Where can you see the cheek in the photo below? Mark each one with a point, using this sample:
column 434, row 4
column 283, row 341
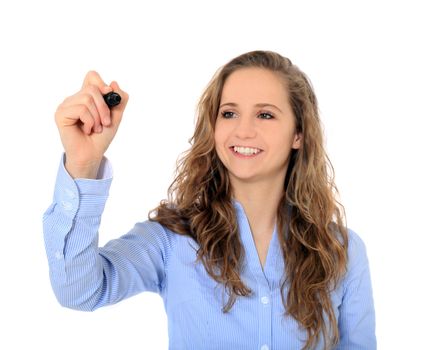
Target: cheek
column 220, row 134
column 284, row 145
column 219, row 147
column 281, row 137
column 217, row 138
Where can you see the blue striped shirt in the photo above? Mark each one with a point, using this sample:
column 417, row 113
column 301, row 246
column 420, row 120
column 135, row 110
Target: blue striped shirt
column 152, row 258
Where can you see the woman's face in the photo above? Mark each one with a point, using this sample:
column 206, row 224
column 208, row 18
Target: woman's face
column 255, row 127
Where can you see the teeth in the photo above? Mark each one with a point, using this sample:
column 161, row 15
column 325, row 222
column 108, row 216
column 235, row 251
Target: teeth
column 247, row 151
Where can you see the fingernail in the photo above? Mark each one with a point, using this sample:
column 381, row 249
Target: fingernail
column 98, row 129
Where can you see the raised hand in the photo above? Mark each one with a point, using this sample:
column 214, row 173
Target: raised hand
column 87, row 125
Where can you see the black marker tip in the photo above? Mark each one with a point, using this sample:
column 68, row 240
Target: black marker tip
column 112, row 99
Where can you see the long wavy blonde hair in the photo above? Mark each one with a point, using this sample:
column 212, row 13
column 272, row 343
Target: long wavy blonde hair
column 310, row 220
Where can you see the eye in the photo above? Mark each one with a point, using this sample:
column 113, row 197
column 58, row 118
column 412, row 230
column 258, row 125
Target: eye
column 227, row 114
column 265, row 115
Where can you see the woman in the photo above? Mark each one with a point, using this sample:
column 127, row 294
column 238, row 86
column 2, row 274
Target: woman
column 250, row 250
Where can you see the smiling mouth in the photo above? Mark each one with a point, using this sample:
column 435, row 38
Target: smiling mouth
column 245, row 151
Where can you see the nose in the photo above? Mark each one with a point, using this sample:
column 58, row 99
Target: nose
column 245, row 128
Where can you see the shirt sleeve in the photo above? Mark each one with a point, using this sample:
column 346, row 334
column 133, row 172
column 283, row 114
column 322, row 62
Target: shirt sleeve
column 356, row 312
column 84, row 276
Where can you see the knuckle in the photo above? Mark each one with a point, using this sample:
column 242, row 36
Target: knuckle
column 83, row 110
column 58, row 112
column 89, row 100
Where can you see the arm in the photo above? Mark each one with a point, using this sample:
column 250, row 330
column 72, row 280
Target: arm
column 84, row 276
column 356, row 313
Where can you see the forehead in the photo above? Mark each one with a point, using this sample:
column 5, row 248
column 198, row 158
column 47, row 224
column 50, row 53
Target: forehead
column 254, row 85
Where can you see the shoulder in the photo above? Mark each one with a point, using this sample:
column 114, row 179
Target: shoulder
column 155, row 234
column 356, row 245
column 357, row 261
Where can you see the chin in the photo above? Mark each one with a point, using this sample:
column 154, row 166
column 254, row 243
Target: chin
column 243, row 176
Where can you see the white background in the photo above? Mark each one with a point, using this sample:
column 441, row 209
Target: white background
column 376, row 68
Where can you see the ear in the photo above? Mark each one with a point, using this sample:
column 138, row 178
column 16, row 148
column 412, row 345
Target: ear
column 297, row 141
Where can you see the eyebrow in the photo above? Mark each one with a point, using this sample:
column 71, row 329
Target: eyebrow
column 261, row 105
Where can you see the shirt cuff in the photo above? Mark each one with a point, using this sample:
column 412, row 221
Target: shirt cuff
column 83, row 197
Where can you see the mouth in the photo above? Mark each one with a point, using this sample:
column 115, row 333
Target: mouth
column 245, row 151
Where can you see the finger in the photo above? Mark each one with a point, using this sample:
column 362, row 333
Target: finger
column 102, row 115
column 75, row 115
column 93, row 78
column 86, row 98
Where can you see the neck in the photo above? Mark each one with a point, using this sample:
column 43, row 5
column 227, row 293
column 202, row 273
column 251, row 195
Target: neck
column 260, row 202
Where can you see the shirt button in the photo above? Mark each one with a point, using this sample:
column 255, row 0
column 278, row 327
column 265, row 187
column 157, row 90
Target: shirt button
column 58, row 255
column 265, row 347
column 265, row 300
column 66, row 205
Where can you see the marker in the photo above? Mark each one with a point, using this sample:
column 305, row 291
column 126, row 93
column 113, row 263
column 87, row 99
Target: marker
column 112, row 99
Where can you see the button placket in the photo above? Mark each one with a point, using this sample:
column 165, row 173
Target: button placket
column 265, row 317
column 263, row 289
